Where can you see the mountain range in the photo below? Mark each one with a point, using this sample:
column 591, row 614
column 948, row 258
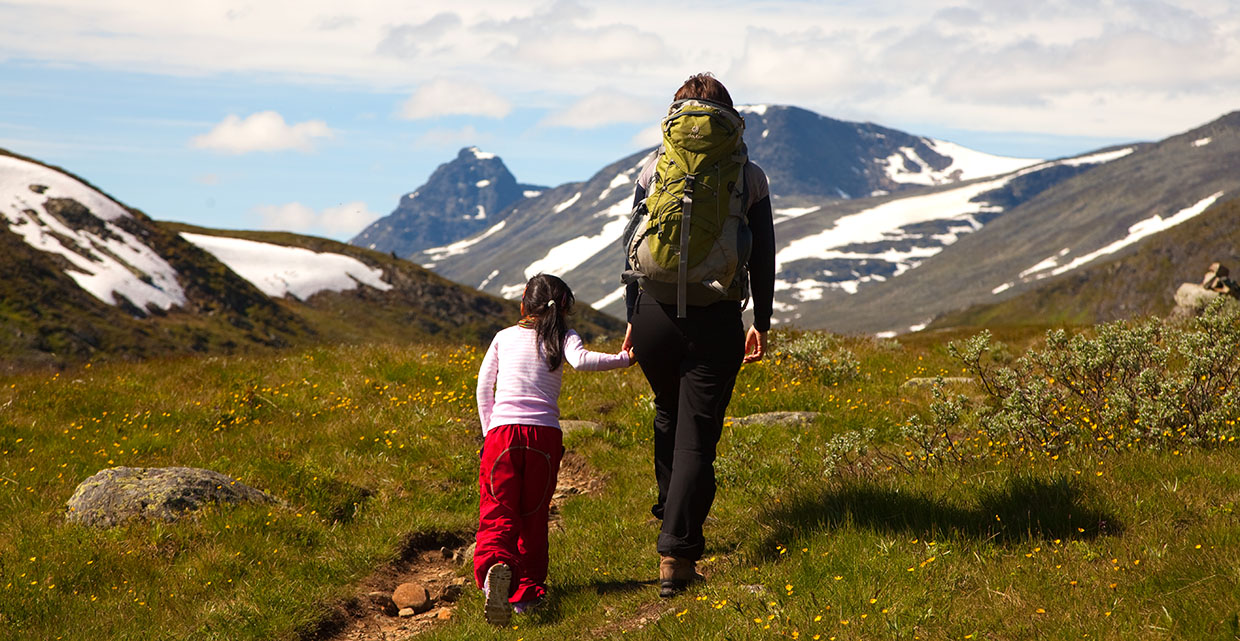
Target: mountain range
column 88, row 278
column 878, row 231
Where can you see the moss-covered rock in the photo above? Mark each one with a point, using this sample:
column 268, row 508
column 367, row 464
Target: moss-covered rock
column 118, row 494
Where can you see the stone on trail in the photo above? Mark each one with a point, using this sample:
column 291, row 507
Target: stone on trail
column 118, row 494
column 412, row 595
column 772, row 418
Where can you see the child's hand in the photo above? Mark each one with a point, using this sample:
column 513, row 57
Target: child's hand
column 628, row 351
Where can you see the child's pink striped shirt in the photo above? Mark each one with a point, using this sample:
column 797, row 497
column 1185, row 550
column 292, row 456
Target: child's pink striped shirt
column 514, row 386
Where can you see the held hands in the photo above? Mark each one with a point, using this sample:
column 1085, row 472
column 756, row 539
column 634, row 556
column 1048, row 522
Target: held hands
column 627, row 346
column 755, row 346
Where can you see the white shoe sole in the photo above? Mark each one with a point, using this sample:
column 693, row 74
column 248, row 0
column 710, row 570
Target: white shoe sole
column 497, row 610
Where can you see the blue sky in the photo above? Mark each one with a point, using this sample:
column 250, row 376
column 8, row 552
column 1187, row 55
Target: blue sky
column 315, row 116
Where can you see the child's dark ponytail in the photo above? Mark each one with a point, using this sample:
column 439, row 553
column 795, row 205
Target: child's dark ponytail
column 546, row 304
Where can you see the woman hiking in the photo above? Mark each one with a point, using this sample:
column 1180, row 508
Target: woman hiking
column 684, row 329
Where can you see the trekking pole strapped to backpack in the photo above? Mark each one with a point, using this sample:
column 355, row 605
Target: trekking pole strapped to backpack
column 688, row 241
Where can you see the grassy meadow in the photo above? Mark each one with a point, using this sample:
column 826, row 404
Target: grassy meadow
column 848, row 527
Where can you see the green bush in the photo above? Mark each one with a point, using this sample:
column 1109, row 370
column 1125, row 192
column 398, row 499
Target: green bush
column 1124, row 386
column 816, row 355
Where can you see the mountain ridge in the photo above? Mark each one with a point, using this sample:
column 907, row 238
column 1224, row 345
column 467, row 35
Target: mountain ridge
column 891, row 261
column 89, row 278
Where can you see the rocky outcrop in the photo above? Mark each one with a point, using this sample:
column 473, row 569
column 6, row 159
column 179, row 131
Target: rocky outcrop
column 1191, row 298
column 116, row 495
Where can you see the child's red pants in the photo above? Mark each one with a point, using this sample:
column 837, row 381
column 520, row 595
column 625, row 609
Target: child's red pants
column 516, row 481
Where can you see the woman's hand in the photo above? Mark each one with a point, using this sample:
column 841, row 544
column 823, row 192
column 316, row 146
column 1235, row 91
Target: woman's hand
column 755, row 346
column 627, row 346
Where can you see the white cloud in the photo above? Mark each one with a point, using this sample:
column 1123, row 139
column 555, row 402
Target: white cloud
column 294, row 217
column 444, row 97
column 262, row 131
column 603, row 108
column 413, row 40
column 1100, row 68
column 340, row 221
column 648, row 137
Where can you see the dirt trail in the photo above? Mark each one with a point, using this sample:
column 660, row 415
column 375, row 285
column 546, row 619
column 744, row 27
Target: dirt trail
column 436, row 561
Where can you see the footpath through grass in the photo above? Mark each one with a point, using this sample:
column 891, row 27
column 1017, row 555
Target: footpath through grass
column 818, row 532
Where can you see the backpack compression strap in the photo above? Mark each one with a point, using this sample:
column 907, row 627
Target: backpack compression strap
column 682, row 275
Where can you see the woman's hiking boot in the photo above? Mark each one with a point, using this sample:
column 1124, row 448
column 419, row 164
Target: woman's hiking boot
column 675, row 574
column 497, row 610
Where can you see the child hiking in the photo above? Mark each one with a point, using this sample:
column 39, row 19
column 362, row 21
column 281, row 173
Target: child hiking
column 518, row 388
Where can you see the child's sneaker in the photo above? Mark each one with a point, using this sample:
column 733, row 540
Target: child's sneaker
column 497, row 610
column 526, row 607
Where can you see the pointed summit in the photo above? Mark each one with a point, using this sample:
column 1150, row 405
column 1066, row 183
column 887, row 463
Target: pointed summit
column 462, row 197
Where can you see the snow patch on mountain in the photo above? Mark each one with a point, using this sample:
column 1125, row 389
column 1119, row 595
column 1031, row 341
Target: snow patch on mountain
column 481, row 155
column 1202, row 142
column 886, row 233
column 788, row 213
column 279, row 270
column 1051, row 266
column 462, row 246
column 614, row 297
column 566, row 204
column 567, row 256
column 1092, row 159
column 966, row 164
column 623, row 180
column 106, row 260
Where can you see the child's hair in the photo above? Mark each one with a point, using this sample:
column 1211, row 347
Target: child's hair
column 546, row 303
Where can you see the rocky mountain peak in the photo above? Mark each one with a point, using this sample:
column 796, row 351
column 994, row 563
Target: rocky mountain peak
column 461, row 197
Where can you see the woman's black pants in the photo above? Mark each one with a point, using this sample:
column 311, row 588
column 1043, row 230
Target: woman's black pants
column 691, row 364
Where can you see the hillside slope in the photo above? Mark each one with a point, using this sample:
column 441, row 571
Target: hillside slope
column 1139, row 284
column 1099, row 214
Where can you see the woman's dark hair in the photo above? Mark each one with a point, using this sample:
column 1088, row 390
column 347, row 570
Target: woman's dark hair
column 704, row 86
column 546, row 303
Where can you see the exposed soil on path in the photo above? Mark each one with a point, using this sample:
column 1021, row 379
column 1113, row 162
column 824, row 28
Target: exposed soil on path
column 645, row 615
column 439, row 562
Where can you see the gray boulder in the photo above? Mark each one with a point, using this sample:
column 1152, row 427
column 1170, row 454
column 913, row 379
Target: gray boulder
column 931, row 381
column 773, row 418
column 117, row 494
column 1193, row 298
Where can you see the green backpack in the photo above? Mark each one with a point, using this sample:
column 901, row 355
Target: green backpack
column 698, row 187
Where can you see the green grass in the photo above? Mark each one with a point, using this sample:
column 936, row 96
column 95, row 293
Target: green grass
column 374, row 446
